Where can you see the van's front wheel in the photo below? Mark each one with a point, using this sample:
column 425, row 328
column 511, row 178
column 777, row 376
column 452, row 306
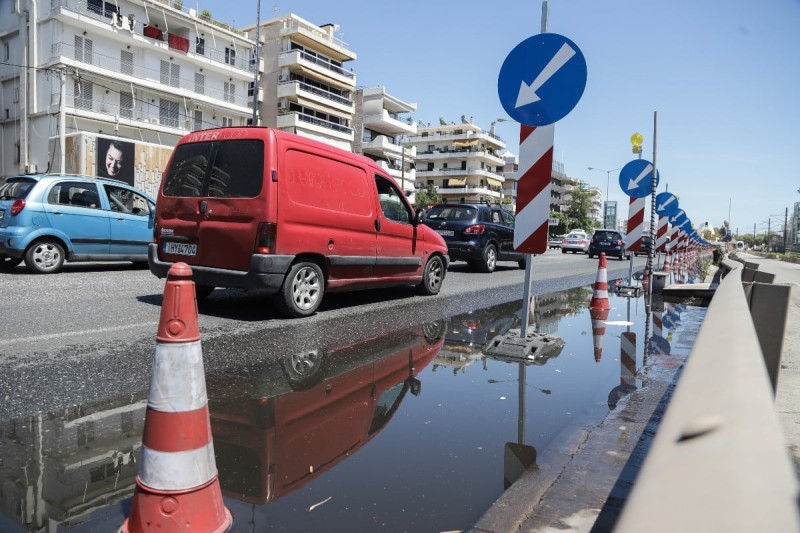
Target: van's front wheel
column 432, row 276
column 302, row 290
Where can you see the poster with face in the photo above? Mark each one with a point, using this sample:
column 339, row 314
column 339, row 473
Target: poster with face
column 115, row 159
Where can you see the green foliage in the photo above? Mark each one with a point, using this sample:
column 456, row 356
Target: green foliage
column 563, row 221
column 426, row 197
column 578, row 209
column 205, row 14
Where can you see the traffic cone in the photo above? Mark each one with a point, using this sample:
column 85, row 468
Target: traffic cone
column 600, row 294
column 598, row 331
column 177, row 488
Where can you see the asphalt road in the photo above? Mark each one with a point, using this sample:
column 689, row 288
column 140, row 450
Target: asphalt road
column 88, row 332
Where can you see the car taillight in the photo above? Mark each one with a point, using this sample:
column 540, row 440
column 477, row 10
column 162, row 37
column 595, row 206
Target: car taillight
column 475, row 229
column 265, row 238
column 17, row 207
column 619, row 242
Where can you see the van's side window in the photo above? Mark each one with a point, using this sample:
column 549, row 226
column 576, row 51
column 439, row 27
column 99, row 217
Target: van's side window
column 392, row 205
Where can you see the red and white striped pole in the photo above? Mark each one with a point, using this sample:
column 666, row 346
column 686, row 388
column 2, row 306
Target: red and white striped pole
column 661, row 235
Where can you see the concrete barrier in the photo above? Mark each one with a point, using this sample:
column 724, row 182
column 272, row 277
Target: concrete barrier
column 718, row 461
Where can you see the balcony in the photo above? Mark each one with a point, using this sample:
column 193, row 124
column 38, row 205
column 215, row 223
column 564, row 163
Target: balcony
column 78, row 9
column 112, row 68
column 298, row 90
column 466, row 135
column 389, row 123
column 314, row 37
column 317, row 67
column 302, row 121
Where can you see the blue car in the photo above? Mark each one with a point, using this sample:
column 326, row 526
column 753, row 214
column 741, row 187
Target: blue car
column 48, row 219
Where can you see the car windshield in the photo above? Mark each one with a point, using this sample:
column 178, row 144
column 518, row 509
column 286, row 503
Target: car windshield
column 606, row 235
column 451, row 213
column 16, row 188
column 576, row 236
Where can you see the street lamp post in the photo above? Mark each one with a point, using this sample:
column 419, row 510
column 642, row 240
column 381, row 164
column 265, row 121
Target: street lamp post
column 608, row 181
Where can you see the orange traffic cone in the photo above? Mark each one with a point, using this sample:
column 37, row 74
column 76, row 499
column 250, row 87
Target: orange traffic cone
column 600, row 294
column 598, row 331
column 177, row 487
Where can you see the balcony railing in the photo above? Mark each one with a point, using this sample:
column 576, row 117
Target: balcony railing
column 218, row 56
column 321, row 62
column 137, row 73
column 319, row 92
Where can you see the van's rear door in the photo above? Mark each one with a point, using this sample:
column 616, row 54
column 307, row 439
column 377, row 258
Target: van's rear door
column 213, row 200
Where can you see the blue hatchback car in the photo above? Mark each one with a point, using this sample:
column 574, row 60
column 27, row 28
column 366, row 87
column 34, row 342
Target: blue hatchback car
column 48, row 219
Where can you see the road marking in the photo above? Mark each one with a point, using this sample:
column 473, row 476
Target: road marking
column 37, row 338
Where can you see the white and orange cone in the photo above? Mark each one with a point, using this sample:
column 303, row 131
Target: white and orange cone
column 599, row 316
column 177, row 488
column 600, row 294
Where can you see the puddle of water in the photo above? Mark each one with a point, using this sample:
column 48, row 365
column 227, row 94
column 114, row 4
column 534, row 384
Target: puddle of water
column 414, row 430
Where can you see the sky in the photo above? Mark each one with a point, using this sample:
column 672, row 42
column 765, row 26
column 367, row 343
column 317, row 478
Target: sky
column 715, row 83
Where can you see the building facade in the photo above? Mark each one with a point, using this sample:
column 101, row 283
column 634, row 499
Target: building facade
column 462, row 160
column 143, row 72
column 380, row 131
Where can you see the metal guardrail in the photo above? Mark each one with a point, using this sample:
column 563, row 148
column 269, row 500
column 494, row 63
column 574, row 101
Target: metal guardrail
column 718, row 461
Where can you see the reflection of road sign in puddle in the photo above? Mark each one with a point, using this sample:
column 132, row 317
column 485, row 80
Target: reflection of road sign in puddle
column 619, row 323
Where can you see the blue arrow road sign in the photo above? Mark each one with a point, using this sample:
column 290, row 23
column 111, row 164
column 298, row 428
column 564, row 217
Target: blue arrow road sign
column 636, row 178
column 542, row 79
column 666, row 204
column 679, row 218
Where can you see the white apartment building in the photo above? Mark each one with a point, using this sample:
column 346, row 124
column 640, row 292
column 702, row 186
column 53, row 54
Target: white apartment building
column 144, row 71
column 380, row 133
column 308, row 90
column 461, row 160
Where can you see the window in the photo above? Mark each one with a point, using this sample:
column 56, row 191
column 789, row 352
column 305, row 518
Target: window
column 168, row 113
column 227, row 122
column 83, row 94
column 123, row 200
column 125, row 104
column 236, row 171
column 200, row 46
column 83, row 49
column 6, row 51
column 170, row 74
column 106, row 9
column 126, row 62
column 198, row 120
column 251, row 89
column 392, row 205
column 230, row 56
column 75, row 194
column 199, row 83
column 229, row 92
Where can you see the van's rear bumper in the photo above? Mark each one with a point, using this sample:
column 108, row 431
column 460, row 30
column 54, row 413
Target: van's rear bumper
column 266, row 271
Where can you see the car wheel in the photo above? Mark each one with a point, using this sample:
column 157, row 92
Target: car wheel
column 433, row 331
column 202, row 292
column 621, row 256
column 7, row 263
column 303, row 369
column 521, row 264
column 591, row 255
column 489, row 259
column 302, row 290
column 432, row 276
column 45, row 257
column 563, row 251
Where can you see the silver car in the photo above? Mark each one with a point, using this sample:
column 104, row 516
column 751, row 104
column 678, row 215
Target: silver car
column 575, row 241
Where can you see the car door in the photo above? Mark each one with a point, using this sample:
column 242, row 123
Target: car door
column 74, row 211
column 398, row 253
column 130, row 220
column 506, row 236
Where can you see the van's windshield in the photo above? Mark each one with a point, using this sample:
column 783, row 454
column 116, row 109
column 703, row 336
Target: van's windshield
column 233, row 170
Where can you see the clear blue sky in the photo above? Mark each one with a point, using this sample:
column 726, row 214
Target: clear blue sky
column 723, row 75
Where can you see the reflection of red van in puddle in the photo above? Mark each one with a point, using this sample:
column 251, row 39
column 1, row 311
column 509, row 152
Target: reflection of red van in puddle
column 301, row 420
column 257, row 208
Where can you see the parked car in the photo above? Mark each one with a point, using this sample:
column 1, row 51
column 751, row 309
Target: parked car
column 48, row 219
column 608, row 241
column 480, row 234
column 259, row 208
column 554, row 241
column 575, row 241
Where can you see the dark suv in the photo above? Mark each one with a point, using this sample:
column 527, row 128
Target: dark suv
column 610, row 241
column 480, row 234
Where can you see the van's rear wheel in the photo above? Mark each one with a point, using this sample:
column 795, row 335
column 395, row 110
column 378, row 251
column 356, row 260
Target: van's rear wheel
column 302, row 290
column 432, row 276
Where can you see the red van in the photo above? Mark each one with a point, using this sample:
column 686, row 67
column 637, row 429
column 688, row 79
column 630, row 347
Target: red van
column 257, row 208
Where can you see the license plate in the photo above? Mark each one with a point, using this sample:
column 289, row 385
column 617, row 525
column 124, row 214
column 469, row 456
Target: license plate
column 445, row 232
column 179, row 248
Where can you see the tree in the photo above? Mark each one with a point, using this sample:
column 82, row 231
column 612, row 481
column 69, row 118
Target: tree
column 580, row 203
column 427, row 196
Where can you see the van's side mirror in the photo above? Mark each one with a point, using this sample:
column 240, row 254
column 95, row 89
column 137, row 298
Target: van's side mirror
column 418, row 217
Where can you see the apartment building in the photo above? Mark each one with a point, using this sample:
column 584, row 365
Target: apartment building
column 308, row 89
column 78, row 73
column 380, row 132
column 461, row 160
